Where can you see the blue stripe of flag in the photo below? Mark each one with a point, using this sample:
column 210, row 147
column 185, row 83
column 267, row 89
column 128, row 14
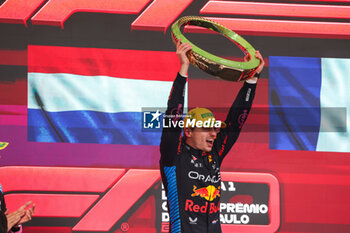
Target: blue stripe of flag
column 90, row 127
column 294, row 102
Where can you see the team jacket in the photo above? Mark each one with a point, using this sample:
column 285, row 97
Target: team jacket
column 191, row 177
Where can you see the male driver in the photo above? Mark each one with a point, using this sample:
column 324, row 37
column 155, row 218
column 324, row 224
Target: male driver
column 190, row 166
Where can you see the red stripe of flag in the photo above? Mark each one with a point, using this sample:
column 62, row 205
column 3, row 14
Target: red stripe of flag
column 133, row 64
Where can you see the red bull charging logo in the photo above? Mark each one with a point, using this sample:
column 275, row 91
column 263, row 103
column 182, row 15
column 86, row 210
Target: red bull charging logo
column 209, row 192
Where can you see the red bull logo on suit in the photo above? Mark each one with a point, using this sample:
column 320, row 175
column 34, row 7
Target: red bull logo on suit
column 209, row 192
column 190, row 206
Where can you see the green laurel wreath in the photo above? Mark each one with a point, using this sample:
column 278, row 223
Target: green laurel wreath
column 3, row 145
column 214, row 65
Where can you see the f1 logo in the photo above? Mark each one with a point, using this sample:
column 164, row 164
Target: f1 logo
column 90, row 193
column 56, row 12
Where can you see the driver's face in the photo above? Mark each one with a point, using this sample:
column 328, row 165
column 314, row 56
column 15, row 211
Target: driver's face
column 202, row 138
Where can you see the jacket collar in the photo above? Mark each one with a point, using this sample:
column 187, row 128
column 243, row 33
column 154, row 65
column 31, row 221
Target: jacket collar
column 195, row 152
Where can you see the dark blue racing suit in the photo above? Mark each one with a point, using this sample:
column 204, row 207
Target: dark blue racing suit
column 192, row 177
